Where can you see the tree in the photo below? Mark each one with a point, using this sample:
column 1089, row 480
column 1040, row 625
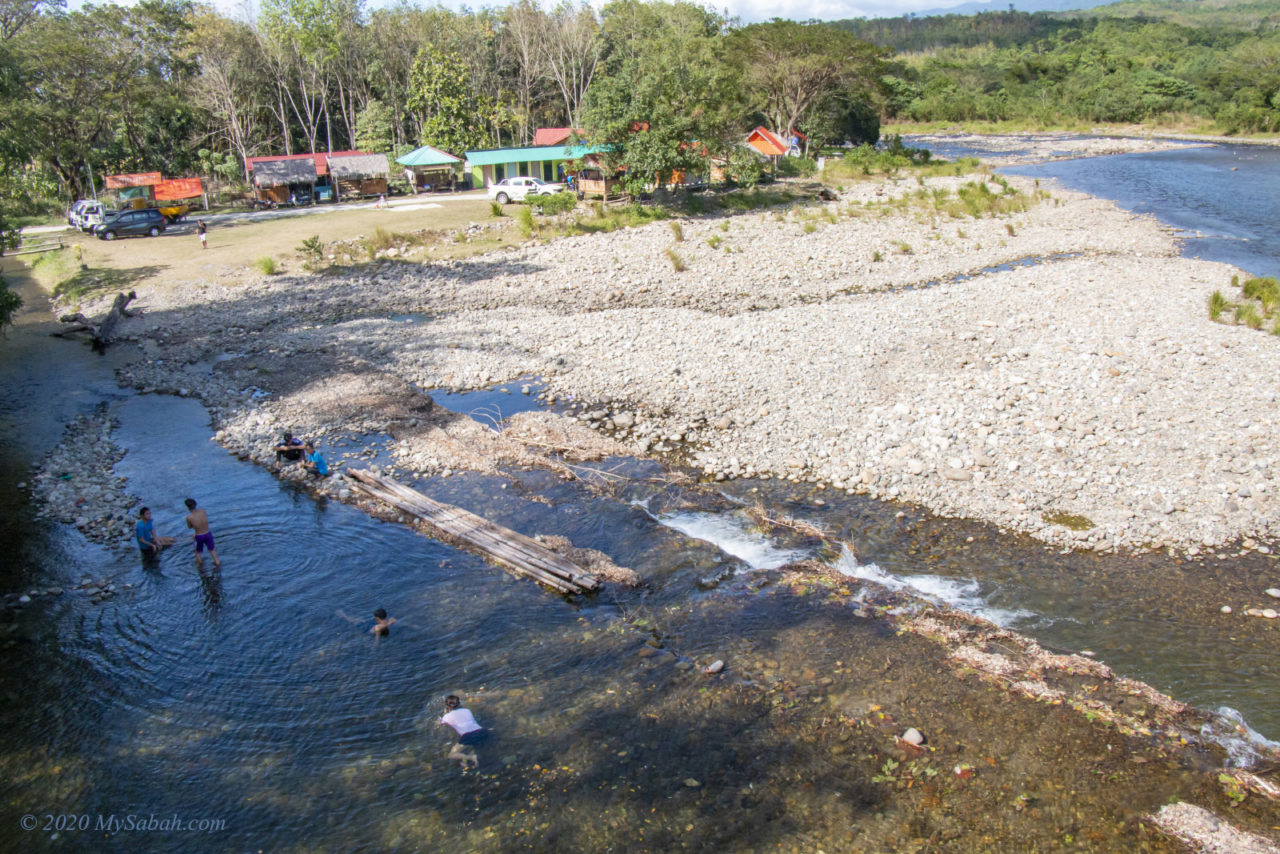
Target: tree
column 375, row 128
column 524, row 27
column 664, row 101
column 790, row 69
column 571, row 50
column 103, row 89
column 231, row 86
column 453, row 116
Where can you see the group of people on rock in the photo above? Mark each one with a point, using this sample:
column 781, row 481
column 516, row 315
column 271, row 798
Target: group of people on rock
column 292, row 449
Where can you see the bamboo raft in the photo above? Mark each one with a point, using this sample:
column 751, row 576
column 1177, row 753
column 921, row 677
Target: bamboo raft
column 509, row 548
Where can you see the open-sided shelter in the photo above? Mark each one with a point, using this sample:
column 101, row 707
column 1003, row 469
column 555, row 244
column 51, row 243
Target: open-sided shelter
column 430, row 168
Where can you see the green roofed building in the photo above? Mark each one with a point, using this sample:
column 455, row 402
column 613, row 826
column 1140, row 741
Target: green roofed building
column 542, row 161
column 430, row 168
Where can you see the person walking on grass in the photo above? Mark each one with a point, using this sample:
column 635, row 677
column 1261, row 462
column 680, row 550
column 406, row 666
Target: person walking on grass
column 198, row 522
column 203, row 231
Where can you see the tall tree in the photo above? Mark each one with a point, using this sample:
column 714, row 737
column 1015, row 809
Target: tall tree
column 571, row 50
column 788, row 69
column 665, row 99
column 231, row 85
column 524, row 27
column 453, row 115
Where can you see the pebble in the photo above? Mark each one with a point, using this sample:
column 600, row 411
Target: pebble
column 1273, row 592
column 1270, row 613
column 715, row 667
column 1097, row 407
column 913, row 736
column 1226, row 609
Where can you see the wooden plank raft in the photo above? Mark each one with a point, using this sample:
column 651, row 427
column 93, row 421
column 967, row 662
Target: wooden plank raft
column 510, row 548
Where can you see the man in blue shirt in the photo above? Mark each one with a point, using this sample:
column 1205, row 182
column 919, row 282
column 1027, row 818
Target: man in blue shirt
column 313, row 462
column 145, row 532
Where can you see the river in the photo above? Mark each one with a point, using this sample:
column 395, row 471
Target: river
column 256, row 697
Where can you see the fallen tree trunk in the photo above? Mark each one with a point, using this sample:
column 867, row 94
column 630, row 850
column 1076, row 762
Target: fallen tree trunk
column 503, row 545
column 103, row 332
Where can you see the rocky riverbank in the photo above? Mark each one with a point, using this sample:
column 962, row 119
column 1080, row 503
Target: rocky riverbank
column 1051, row 370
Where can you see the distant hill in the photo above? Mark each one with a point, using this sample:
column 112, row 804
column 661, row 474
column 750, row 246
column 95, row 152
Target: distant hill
column 974, row 7
column 998, row 26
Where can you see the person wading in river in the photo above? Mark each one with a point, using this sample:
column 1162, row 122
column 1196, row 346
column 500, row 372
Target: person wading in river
column 198, row 522
column 469, row 732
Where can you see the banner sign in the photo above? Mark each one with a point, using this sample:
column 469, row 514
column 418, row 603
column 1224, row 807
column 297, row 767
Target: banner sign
column 140, row 179
column 178, row 188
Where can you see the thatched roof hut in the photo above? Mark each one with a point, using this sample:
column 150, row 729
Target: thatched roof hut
column 291, row 170
column 356, row 166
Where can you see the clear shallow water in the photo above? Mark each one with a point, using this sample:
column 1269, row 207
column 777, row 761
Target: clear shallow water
column 244, row 695
column 1224, row 198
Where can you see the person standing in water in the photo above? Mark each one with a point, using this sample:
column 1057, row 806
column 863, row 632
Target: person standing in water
column 198, row 522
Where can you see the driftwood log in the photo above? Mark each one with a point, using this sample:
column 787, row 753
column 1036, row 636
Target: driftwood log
column 104, row 331
column 509, row 548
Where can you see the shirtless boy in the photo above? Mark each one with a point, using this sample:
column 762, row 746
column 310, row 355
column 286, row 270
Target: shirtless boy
column 198, row 522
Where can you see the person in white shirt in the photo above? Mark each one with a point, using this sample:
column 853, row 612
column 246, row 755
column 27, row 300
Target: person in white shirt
column 469, row 732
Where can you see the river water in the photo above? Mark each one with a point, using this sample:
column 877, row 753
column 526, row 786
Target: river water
column 255, row 695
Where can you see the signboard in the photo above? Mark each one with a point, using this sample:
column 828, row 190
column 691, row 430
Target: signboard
column 176, row 189
column 140, row 179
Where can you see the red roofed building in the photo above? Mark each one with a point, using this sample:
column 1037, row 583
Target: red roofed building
column 554, row 136
column 320, row 157
column 767, row 142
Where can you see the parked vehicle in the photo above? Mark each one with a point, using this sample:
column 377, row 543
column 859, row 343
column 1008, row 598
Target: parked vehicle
column 148, row 221
column 86, row 213
column 174, row 213
column 517, row 189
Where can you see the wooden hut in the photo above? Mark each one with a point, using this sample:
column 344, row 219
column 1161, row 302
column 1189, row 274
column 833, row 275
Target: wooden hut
column 277, row 178
column 359, row 174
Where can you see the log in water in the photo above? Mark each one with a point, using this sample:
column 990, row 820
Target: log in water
column 505, row 546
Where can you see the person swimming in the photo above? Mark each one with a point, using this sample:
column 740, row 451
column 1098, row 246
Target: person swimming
column 469, row 731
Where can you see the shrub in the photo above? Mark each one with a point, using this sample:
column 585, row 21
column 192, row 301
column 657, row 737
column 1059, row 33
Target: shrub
column 714, row 241
column 312, row 247
column 800, row 167
column 677, row 231
column 1217, row 302
column 876, row 256
column 810, row 227
column 495, row 210
column 524, row 221
column 562, row 202
column 267, row 265
column 677, row 263
column 1013, row 232
column 1266, row 291
column 1248, row 315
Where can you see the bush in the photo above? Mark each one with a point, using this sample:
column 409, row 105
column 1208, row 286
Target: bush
column 267, row 265
column 1266, row 291
column 677, row 231
column 495, row 209
column 561, row 202
column 677, row 263
column 524, row 221
column 798, row 167
column 1217, row 302
column 744, row 168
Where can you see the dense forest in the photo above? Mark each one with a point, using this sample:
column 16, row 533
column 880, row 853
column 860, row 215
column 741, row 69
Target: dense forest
column 1136, row 61
column 177, row 87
